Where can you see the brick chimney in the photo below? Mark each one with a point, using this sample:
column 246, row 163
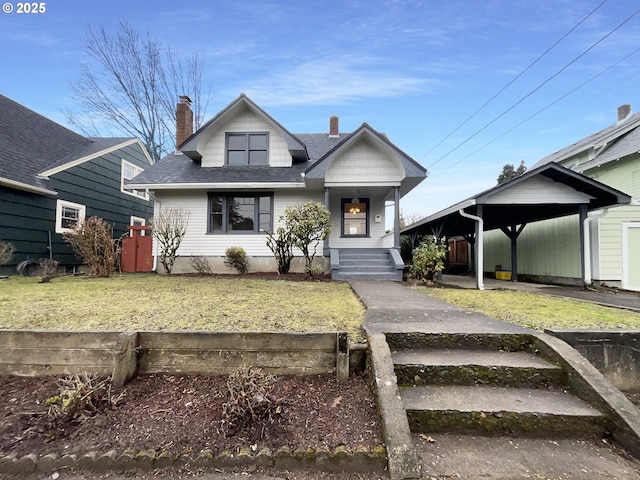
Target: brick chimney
column 624, row 112
column 184, row 120
column 334, row 129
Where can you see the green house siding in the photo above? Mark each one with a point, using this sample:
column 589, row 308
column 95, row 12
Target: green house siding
column 610, row 241
column 550, row 248
column 28, row 220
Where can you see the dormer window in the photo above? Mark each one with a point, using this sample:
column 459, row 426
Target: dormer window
column 247, row 149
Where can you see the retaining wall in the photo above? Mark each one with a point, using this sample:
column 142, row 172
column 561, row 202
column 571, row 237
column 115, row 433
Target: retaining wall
column 123, row 354
column 615, row 353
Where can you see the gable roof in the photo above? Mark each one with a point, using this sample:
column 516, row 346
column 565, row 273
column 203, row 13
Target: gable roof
column 33, row 147
column 609, row 144
column 190, row 146
column 497, row 213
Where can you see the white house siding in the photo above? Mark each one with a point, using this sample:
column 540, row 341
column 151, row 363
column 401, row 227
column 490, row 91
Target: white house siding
column 550, row 248
column 364, row 164
column 213, row 147
column 376, row 229
column 197, row 242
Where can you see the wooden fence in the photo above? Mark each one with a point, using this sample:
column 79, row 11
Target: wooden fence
column 122, row 354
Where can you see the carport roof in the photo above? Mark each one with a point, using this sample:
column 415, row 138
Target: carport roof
column 542, row 193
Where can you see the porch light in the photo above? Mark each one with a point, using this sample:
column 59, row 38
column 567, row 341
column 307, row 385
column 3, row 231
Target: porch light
column 354, row 210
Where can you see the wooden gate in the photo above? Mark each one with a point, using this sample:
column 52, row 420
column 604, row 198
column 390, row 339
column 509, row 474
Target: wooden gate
column 136, row 251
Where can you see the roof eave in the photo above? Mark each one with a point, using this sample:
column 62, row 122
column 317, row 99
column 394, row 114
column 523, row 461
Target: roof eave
column 26, row 187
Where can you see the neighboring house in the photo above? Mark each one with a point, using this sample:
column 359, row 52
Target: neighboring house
column 51, row 178
column 239, row 172
column 612, row 157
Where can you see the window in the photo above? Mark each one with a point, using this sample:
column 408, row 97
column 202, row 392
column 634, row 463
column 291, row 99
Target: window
column 128, row 171
column 240, row 213
column 247, row 149
column 355, row 214
column 137, row 222
column 68, row 215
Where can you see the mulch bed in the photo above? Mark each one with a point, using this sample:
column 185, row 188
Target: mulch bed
column 184, row 414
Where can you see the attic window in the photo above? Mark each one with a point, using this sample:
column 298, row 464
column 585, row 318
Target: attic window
column 247, row 149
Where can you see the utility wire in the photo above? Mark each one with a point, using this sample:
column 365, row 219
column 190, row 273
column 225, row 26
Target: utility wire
column 464, row 122
column 495, row 119
column 562, row 97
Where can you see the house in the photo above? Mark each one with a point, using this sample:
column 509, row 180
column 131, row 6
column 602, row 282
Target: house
column 51, row 178
column 238, row 173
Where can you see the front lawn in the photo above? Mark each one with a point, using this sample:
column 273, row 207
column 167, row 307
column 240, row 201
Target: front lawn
column 156, row 302
column 535, row 310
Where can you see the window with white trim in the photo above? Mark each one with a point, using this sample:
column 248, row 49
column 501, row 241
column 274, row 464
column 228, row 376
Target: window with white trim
column 137, row 222
column 127, row 172
column 68, row 215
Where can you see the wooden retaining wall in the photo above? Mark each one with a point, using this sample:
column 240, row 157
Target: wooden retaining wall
column 122, row 354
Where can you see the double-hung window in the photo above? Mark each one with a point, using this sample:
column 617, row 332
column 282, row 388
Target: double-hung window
column 68, row 215
column 247, row 149
column 128, row 171
column 240, row 213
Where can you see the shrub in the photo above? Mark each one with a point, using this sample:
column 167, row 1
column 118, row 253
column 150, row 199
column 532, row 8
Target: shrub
column 6, row 252
column 169, row 228
column 428, row 259
column 308, row 224
column 250, row 401
column 47, row 269
column 93, row 241
column 236, row 258
column 200, row 264
column 81, row 396
column 281, row 244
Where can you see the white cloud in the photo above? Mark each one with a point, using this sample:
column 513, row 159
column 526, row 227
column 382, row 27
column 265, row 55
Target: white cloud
column 333, row 80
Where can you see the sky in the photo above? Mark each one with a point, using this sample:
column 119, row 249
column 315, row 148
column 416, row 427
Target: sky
column 462, row 86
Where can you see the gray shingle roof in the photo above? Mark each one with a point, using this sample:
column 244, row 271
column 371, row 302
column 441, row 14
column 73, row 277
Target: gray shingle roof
column 31, row 143
column 611, row 143
column 180, row 169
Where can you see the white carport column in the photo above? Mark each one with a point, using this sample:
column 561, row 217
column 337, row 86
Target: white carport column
column 586, row 241
column 479, row 244
column 396, row 218
column 327, row 203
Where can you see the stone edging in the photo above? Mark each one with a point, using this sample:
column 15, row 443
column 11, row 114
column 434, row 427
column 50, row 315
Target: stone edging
column 361, row 460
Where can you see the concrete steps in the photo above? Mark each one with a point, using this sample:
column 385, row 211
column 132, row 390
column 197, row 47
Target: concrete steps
column 365, row 264
column 486, row 384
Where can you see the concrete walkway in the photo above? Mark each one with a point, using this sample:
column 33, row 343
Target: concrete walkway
column 608, row 297
column 394, row 307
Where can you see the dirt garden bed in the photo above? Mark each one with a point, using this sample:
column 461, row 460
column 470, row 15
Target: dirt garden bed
column 183, row 415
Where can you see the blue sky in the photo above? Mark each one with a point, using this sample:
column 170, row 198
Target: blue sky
column 415, row 70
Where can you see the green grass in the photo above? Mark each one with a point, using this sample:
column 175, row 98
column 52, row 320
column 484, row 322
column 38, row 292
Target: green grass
column 155, row 302
column 537, row 311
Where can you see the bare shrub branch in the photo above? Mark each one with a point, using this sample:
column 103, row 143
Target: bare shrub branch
column 93, row 241
column 6, row 252
column 169, row 228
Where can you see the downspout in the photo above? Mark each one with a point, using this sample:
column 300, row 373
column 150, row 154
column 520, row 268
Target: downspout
column 479, row 246
column 587, row 243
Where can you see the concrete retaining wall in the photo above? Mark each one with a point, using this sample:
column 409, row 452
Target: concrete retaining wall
column 33, row 353
column 615, row 353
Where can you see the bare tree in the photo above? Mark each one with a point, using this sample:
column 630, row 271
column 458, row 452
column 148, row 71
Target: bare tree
column 133, row 81
column 169, row 228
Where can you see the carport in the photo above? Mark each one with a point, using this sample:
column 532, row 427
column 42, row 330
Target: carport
column 550, row 191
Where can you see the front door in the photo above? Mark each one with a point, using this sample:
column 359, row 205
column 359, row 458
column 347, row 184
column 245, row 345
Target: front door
column 355, row 217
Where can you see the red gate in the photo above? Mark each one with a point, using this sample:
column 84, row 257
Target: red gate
column 136, row 251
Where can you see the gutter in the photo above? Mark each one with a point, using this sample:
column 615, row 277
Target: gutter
column 479, row 247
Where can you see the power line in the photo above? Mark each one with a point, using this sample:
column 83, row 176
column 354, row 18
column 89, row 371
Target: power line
column 562, row 97
column 495, row 119
column 513, row 80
